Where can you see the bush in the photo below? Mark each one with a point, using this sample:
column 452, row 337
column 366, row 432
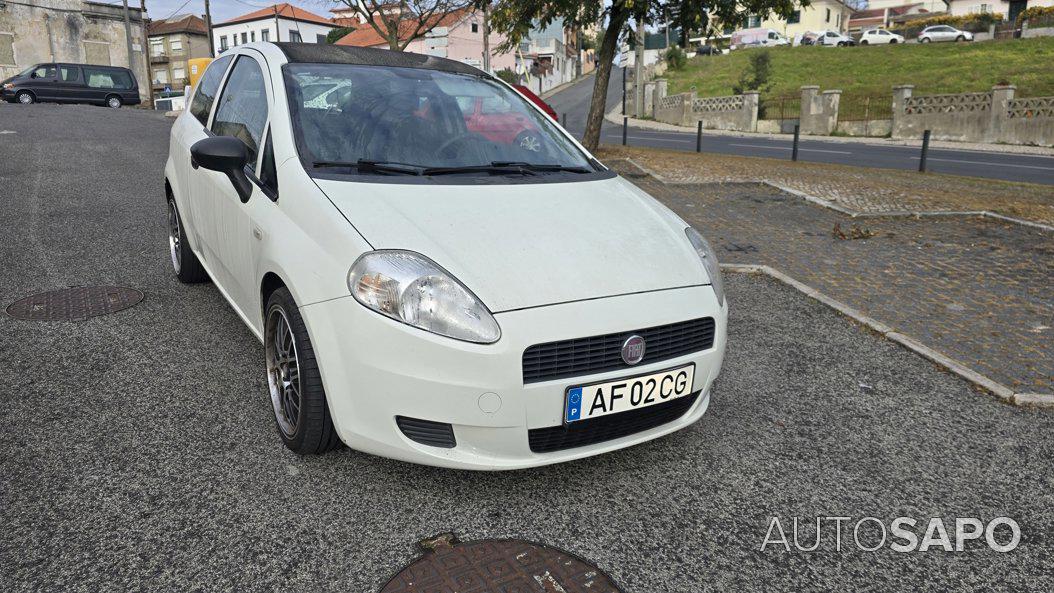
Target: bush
column 1037, row 16
column 755, row 77
column 507, row 75
column 675, row 58
column 335, row 35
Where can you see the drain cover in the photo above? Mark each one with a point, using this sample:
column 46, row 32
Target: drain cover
column 493, row 566
column 75, row 304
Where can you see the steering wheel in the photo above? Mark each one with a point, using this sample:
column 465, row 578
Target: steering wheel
column 452, row 141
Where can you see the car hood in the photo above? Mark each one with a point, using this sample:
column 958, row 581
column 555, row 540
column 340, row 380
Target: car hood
column 531, row 244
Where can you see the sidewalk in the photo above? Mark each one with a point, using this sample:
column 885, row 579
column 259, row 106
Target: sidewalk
column 856, row 191
column 615, row 116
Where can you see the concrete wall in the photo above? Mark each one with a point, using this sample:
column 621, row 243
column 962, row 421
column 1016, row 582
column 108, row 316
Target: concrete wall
column 870, row 128
column 735, row 112
column 993, row 116
column 819, row 111
column 71, row 31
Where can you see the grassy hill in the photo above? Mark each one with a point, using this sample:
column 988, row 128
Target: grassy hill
column 874, row 70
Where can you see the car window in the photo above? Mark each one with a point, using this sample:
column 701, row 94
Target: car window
column 268, row 174
column 69, row 73
column 883, row 32
column 208, row 86
column 98, row 78
column 418, row 117
column 47, row 71
column 242, row 108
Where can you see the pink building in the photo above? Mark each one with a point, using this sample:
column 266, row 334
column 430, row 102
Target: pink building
column 457, row 36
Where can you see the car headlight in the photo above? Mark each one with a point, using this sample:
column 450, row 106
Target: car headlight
column 9, row 85
column 709, row 259
column 414, row 290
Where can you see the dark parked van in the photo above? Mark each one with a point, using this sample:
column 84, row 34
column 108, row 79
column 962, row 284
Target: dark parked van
column 72, row 83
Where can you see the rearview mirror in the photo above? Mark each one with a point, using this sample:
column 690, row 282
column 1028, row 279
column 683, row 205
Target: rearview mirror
column 226, row 155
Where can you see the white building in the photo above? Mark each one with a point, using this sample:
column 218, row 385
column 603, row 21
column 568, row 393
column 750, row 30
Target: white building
column 1009, row 9
column 281, row 22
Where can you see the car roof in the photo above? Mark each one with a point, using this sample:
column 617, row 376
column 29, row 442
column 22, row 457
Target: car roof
column 325, row 53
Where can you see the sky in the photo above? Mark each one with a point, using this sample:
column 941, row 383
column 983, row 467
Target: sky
column 226, row 9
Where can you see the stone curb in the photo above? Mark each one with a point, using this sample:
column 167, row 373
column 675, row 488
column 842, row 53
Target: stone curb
column 856, row 213
column 1004, row 393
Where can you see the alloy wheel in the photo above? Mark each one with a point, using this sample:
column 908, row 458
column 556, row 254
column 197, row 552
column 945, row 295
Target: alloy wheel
column 175, row 236
column 283, row 371
column 25, row 98
column 113, row 102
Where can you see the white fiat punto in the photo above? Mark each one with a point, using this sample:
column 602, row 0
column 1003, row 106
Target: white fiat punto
column 437, row 271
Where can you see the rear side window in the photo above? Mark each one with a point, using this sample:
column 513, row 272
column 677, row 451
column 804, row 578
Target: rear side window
column 69, row 73
column 242, row 110
column 208, row 86
column 98, row 78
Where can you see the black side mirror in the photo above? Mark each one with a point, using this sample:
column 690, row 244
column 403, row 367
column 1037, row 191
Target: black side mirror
column 226, row 155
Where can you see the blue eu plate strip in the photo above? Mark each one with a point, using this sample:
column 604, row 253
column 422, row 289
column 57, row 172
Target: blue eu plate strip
column 574, row 404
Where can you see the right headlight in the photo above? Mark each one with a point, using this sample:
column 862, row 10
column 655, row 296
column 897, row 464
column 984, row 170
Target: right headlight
column 411, row 288
column 709, row 259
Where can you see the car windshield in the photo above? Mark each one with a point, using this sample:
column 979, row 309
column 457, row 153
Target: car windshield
column 387, row 120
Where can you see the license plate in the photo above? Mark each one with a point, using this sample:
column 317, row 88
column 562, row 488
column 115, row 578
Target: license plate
column 622, row 395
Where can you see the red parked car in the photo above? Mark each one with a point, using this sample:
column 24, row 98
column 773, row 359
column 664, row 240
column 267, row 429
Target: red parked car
column 526, row 92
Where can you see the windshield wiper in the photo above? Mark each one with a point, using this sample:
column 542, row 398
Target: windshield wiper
column 541, row 167
column 500, row 169
column 365, row 166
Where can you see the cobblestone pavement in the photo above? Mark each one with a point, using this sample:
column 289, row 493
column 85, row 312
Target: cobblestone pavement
column 857, row 189
column 979, row 290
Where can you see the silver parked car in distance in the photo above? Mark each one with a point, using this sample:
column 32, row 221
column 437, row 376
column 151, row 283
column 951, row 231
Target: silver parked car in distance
column 943, row 33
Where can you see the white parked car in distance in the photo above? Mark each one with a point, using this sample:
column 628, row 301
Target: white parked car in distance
column 428, row 286
column 880, row 37
column 943, row 33
column 833, row 39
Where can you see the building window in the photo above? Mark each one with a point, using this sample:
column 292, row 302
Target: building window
column 157, row 47
column 794, row 18
column 223, row 43
column 160, row 76
column 475, row 28
column 175, row 44
column 828, row 19
column 252, row 36
column 7, row 48
column 320, row 38
column 294, row 36
column 178, row 73
column 245, row 36
column 265, row 35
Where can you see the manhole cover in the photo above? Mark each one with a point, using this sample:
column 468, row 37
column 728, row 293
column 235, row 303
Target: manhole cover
column 497, row 566
column 74, row 304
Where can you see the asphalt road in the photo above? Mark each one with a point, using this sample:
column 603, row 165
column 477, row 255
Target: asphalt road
column 574, row 101
column 138, row 451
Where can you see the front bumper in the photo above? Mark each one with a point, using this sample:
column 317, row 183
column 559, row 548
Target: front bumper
column 375, row 369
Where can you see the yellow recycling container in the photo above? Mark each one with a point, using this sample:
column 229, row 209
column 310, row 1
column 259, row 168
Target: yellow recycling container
column 196, row 67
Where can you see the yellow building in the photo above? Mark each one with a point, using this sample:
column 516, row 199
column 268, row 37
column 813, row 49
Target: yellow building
column 820, row 15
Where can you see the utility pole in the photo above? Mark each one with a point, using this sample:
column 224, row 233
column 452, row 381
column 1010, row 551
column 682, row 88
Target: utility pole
column 128, row 35
column 486, row 36
column 208, row 23
column 638, row 71
column 146, row 51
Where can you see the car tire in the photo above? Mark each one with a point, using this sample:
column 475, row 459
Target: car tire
column 294, row 382
column 960, row 38
column 892, row 41
column 864, row 42
column 185, row 264
column 113, row 102
column 924, row 40
column 25, row 98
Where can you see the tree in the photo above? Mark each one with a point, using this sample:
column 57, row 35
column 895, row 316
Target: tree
column 401, row 21
column 515, row 19
column 336, row 34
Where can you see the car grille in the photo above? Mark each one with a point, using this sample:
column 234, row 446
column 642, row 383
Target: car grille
column 606, row 428
column 584, row 356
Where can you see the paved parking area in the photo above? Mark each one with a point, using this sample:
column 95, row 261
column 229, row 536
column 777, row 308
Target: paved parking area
column 977, row 289
column 138, row 451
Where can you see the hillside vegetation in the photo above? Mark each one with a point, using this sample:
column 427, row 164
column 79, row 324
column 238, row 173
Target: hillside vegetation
column 875, row 70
